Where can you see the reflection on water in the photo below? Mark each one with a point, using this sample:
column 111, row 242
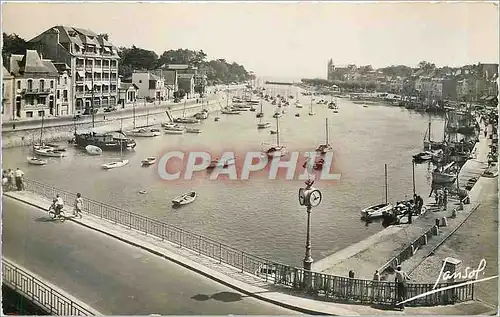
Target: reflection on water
column 261, row 216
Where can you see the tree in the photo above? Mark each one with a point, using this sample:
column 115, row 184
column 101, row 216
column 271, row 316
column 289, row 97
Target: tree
column 13, row 44
column 179, row 94
column 426, row 65
column 136, row 59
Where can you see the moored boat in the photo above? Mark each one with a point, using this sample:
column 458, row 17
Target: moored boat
column 145, row 132
column 376, row 211
column 149, row 161
column 48, row 151
column 193, row 130
column 93, row 150
column 33, row 160
column 106, row 141
column 116, row 164
column 263, row 125
column 184, row 199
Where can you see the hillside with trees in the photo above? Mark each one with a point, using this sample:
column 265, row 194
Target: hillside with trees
column 218, row 71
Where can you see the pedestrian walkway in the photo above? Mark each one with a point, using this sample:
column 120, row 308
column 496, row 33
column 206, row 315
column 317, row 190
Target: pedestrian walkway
column 233, row 277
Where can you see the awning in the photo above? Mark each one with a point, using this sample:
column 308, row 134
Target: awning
column 107, row 49
column 81, row 73
column 89, row 86
column 490, row 98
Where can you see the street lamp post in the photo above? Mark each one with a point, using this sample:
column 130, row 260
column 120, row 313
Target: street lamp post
column 413, row 175
column 309, row 197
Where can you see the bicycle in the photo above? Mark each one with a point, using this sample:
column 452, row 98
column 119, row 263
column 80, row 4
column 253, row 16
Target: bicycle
column 61, row 216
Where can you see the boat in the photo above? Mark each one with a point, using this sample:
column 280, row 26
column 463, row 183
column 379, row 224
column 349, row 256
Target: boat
column 33, row 160
column 168, row 124
column 175, row 127
column 93, row 150
column 298, row 105
column 261, row 113
column 172, row 131
column 55, row 147
column 277, row 150
column 186, row 120
column 274, row 132
column 297, row 114
column 48, row 151
column 149, row 161
column 428, row 144
column 311, row 112
column 116, row 164
column 222, row 164
column 230, row 111
column 277, row 114
column 324, row 148
column 184, row 199
column 263, row 125
column 106, row 141
column 422, row 157
column 377, row 211
column 145, row 132
column 444, row 175
column 193, row 130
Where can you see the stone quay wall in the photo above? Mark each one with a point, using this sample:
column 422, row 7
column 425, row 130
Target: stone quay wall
column 64, row 130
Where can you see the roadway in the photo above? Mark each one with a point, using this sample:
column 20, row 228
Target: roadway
column 114, row 277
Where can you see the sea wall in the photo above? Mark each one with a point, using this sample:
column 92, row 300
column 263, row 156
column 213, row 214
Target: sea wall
column 63, row 130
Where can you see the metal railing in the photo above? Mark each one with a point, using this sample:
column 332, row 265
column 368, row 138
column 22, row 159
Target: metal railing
column 319, row 285
column 39, row 292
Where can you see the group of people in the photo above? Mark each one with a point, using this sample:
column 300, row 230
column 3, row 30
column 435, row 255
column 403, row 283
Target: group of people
column 58, row 205
column 441, row 197
column 13, row 179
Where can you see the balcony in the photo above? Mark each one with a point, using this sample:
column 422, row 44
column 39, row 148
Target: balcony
column 79, row 66
column 105, row 66
column 88, row 67
column 79, row 94
column 36, row 91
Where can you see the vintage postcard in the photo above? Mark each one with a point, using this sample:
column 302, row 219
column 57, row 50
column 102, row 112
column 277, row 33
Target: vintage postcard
column 250, row 158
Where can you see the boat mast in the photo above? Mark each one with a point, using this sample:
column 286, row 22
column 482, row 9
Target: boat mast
column 92, row 102
column 184, row 110
column 121, row 141
column 147, row 113
column 327, row 131
column 278, row 130
column 429, row 131
column 41, row 129
column 385, row 170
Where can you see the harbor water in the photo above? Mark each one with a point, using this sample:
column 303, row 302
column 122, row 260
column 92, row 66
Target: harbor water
column 260, row 216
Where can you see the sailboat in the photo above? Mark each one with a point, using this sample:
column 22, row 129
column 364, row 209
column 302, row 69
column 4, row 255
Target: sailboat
column 311, row 113
column 297, row 102
column 428, row 144
column 333, row 105
column 377, row 211
column 277, row 150
column 185, row 120
column 116, row 164
column 324, row 148
column 444, row 175
column 144, row 131
column 46, row 150
column 203, row 114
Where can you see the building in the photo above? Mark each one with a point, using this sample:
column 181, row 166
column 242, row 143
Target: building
column 93, row 62
column 443, row 89
column 127, row 94
column 186, row 83
column 7, row 96
column 341, row 73
column 35, row 85
column 150, row 86
column 170, row 82
column 64, row 94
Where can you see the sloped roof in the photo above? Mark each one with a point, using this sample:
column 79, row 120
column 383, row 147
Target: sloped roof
column 126, row 86
column 82, row 36
column 170, row 76
column 61, row 67
column 31, row 63
column 5, row 73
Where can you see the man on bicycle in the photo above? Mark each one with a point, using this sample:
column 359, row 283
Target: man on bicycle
column 58, row 204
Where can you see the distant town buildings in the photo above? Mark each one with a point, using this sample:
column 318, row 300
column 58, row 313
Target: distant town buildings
column 467, row 83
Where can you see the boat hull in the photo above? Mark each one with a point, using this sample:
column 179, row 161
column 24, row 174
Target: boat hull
column 376, row 211
column 112, row 165
column 443, row 178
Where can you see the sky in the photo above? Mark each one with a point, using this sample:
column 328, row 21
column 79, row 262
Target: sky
column 286, row 40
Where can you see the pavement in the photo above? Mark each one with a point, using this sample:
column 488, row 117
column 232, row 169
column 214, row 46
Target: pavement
column 132, row 284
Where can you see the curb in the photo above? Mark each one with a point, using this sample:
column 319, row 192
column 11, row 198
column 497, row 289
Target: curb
column 201, row 272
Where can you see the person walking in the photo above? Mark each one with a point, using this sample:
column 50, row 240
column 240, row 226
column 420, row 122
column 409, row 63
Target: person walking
column 11, row 178
column 78, row 206
column 401, row 287
column 19, row 179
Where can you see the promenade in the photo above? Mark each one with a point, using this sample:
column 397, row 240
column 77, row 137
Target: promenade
column 131, row 276
column 374, row 252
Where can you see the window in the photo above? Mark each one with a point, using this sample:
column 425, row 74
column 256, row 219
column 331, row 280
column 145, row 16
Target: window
column 65, row 80
column 29, row 114
column 41, row 113
column 42, row 84
column 65, row 94
column 58, row 80
column 30, row 84
column 42, row 100
column 58, row 94
column 52, row 84
column 18, row 84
